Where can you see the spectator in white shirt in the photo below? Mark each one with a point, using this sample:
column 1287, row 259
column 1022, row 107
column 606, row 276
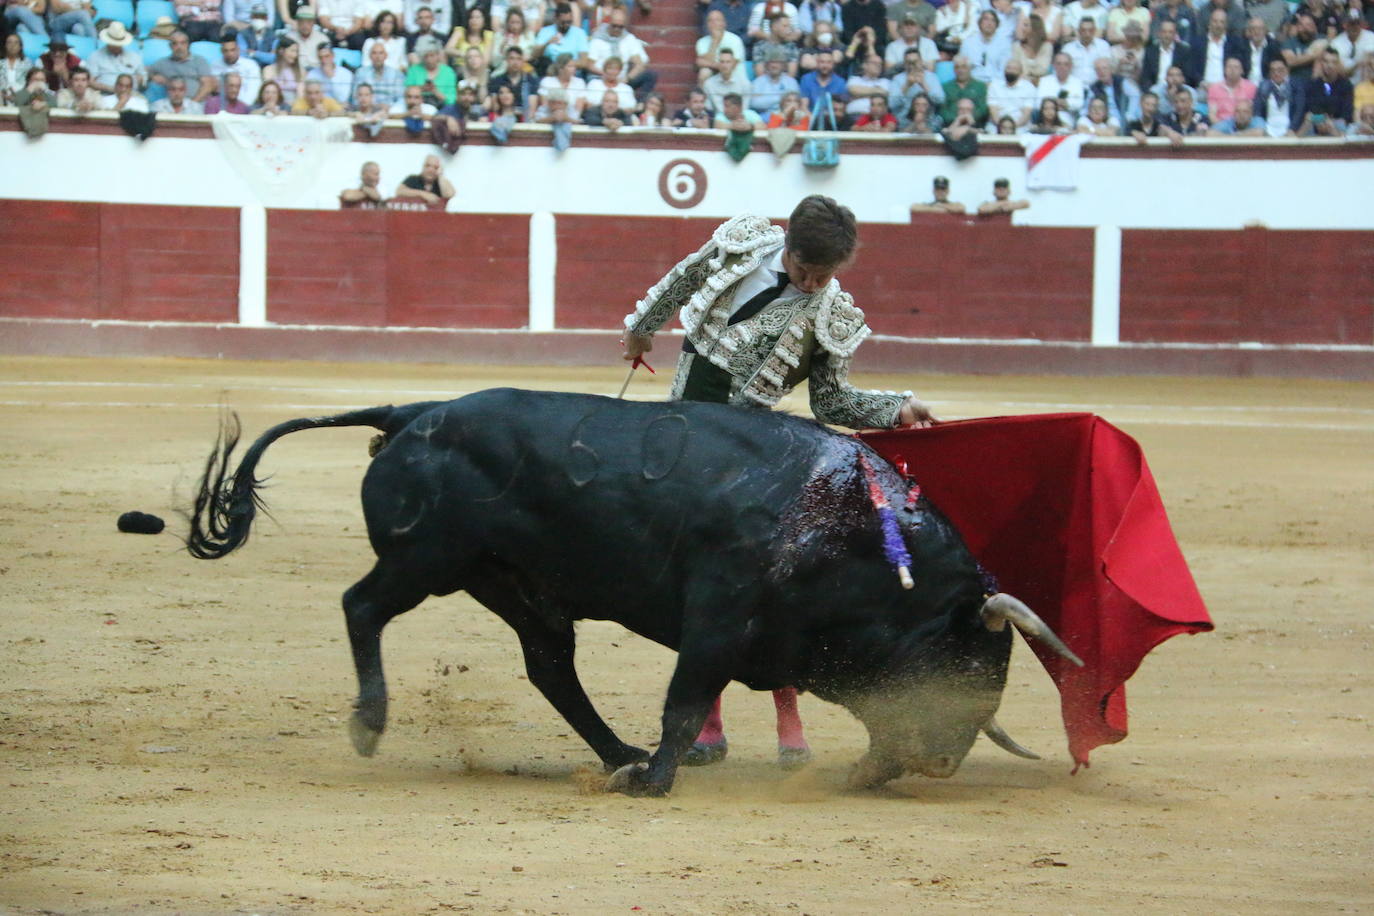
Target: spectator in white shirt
column 1011, row 96
column 709, row 46
column 1062, row 85
column 1354, row 44
column 1086, row 49
column 232, row 61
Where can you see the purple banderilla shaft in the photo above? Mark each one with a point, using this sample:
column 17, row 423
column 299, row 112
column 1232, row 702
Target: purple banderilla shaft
column 893, row 545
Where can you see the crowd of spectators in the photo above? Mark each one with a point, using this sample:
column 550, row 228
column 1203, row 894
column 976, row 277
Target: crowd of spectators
column 1166, row 68
column 1110, row 68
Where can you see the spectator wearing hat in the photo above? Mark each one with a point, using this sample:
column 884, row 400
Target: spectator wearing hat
column 909, row 36
column 387, row 83
column 304, row 33
column 26, row 16
column 230, row 96
column 57, row 63
column 768, row 88
column 176, row 101
column 259, row 40
column 233, row 60
column 940, row 202
column 125, row 96
column 1129, row 55
column 200, row 19
column 182, row 64
column 70, row 17
column 114, row 57
column 78, row 96
column 1001, row 200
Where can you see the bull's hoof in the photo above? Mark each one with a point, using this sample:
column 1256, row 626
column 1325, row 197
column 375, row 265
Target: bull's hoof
column 631, row 754
column 870, row 772
column 629, row 780
column 363, row 737
column 701, row 754
column 793, row 758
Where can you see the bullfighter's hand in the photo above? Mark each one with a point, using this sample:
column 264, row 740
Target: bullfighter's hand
column 636, row 346
column 916, row 413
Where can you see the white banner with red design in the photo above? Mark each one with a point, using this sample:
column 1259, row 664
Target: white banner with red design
column 278, row 156
column 1052, row 162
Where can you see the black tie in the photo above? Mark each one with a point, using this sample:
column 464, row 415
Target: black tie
column 756, row 304
column 752, row 307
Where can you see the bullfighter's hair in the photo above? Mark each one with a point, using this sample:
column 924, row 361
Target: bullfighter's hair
column 822, row 232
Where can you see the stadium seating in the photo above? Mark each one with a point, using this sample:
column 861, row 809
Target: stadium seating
column 155, row 49
column 148, row 12
column 207, row 51
column 116, row 10
column 347, row 57
column 944, row 70
column 83, row 46
column 34, row 45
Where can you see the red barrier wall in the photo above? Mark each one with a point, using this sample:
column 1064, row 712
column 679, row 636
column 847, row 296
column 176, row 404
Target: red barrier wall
column 118, row 261
column 937, row 278
column 1270, row 286
column 382, row 267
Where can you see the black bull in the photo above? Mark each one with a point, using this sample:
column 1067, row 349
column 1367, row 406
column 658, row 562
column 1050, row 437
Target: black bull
column 743, row 539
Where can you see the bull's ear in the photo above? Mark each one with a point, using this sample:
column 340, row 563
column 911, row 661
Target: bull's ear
column 1001, row 607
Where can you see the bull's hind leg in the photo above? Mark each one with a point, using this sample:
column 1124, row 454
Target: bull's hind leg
column 369, row 605
column 549, row 646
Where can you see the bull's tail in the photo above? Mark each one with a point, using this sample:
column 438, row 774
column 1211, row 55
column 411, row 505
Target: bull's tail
column 225, row 506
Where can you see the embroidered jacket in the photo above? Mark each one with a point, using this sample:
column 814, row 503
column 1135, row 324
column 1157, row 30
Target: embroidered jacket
column 768, row 354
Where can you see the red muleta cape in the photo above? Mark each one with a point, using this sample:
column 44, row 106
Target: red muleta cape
column 1063, row 510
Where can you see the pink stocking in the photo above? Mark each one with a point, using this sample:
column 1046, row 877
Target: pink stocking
column 713, row 729
column 789, row 722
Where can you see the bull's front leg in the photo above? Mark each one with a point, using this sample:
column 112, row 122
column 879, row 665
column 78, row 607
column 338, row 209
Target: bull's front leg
column 704, row 667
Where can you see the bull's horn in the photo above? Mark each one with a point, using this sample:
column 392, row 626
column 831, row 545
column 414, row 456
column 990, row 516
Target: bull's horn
column 1005, row 741
column 1002, row 607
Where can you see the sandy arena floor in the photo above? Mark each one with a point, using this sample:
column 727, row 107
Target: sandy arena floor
column 173, row 736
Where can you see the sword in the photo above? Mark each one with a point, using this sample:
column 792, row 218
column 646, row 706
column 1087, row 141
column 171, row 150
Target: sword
column 639, row 361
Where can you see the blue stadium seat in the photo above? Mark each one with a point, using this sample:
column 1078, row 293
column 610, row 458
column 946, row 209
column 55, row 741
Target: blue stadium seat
column 347, row 57
column 154, row 91
column 83, row 46
column 944, row 70
column 154, row 49
column 207, row 51
column 749, row 70
column 148, row 11
column 118, row 10
column 34, row 45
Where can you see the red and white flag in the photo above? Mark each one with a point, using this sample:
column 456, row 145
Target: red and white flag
column 1052, row 162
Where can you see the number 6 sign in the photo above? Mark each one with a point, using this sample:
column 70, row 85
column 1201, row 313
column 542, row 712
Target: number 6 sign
column 682, row 184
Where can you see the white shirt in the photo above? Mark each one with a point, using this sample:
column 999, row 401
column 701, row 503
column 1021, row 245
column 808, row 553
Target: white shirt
column 1166, row 60
column 1216, row 57
column 1256, row 62
column 443, row 15
column 895, row 55
column 136, row 103
column 1083, row 57
column 626, row 48
column 341, row 13
column 1076, row 12
column 1010, row 100
column 596, row 91
column 245, row 67
column 758, row 23
column 1050, row 87
column 761, row 278
column 1349, row 51
column 1276, row 116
